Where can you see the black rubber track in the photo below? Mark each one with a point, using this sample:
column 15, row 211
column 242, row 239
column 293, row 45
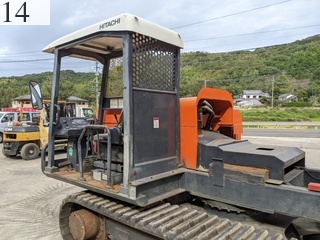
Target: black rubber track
column 165, row 221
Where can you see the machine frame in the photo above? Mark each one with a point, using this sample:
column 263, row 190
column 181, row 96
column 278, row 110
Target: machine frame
column 166, row 149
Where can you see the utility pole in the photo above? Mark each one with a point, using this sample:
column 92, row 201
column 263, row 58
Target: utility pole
column 272, row 87
column 97, row 85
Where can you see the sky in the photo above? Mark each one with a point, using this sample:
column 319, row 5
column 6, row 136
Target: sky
column 206, row 25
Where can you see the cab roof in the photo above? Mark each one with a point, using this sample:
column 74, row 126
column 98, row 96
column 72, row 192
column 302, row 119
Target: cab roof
column 106, row 45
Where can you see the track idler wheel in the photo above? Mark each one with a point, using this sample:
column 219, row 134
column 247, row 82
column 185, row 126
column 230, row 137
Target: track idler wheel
column 83, row 224
column 305, row 229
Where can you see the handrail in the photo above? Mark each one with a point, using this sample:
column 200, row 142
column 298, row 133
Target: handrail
column 43, row 157
column 108, row 150
column 44, row 151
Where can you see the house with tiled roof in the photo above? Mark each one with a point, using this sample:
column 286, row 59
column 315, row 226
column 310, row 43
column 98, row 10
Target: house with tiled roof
column 25, row 100
column 78, row 101
column 254, row 94
column 287, row 97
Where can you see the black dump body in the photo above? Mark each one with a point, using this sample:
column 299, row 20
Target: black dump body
column 278, row 160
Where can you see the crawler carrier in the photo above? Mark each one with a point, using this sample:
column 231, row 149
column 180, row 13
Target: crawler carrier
column 159, row 167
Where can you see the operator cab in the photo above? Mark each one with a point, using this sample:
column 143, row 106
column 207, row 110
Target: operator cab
column 136, row 135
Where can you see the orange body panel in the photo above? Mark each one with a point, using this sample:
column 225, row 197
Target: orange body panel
column 314, row 187
column 226, row 120
column 109, row 118
column 188, row 132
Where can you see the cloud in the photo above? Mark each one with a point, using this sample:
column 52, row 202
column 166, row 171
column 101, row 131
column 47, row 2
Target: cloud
column 4, row 50
column 83, row 12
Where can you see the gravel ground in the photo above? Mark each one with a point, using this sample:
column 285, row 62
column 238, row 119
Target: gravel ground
column 30, row 201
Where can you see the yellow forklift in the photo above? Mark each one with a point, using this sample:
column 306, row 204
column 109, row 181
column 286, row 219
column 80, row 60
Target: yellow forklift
column 28, row 139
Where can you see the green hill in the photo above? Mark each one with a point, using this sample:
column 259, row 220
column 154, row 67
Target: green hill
column 295, row 68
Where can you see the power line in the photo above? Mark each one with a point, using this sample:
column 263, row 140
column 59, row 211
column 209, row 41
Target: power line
column 220, row 45
column 5, row 54
column 71, row 64
column 29, row 60
column 252, row 33
column 229, row 15
column 256, row 78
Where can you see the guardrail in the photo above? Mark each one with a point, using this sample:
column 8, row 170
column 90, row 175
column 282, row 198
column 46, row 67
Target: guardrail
column 315, row 125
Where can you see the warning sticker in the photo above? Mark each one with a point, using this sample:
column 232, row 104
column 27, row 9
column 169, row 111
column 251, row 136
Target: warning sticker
column 156, row 122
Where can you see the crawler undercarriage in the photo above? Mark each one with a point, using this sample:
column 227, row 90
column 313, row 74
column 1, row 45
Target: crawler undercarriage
column 104, row 218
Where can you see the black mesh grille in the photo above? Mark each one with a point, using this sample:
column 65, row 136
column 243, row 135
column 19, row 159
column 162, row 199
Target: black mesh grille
column 153, row 64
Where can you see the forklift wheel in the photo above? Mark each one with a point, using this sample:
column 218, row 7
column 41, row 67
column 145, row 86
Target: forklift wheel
column 7, row 154
column 30, row 151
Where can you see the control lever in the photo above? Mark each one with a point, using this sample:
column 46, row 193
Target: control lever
column 115, row 116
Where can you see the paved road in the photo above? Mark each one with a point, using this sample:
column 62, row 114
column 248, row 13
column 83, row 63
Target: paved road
column 306, row 139
column 297, row 133
column 29, row 203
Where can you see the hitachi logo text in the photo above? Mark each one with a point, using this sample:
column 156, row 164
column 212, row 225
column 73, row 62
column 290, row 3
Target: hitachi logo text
column 109, row 24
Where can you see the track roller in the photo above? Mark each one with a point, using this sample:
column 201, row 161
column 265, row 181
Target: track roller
column 83, row 224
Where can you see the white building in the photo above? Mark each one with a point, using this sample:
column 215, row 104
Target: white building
column 287, row 97
column 253, row 94
column 25, row 100
column 78, row 101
